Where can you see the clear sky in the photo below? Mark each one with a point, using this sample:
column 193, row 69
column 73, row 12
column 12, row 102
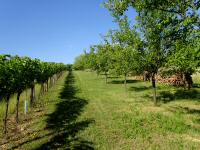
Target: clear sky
column 52, row 30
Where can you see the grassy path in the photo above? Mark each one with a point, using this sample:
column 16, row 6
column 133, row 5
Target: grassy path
column 82, row 112
column 129, row 120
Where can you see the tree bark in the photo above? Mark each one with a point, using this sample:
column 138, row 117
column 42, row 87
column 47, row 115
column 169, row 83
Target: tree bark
column 184, row 81
column 47, row 87
column 146, row 76
column 42, row 89
column 125, row 81
column 106, row 77
column 53, row 81
column 189, row 81
column 154, row 88
column 6, row 115
column 17, row 107
column 32, row 96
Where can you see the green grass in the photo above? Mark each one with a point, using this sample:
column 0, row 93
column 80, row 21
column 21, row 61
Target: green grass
column 128, row 120
column 84, row 112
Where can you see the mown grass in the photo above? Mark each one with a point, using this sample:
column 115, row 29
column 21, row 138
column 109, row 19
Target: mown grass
column 86, row 113
column 129, row 120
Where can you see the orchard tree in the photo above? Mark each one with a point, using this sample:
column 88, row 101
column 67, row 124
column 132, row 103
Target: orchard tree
column 155, row 52
column 91, row 59
column 125, row 61
column 185, row 59
column 103, row 59
column 150, row 25
column 79, row 63
column 127, row 47
column 164, row 26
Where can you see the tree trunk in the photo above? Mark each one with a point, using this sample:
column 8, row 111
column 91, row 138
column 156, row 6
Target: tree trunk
column 32, row 96
column 154, row 89
column 42, row 89
column 125, row 81
column 189, row 81
column 56, row 77
column 6, row 115
column 17, row 107
column 144, row 76
column 106, row 77
column 52, row 80
column 184, row 81
column 47, row 86
column 52, row 83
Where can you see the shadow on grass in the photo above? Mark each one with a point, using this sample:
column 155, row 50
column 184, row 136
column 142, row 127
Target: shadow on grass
column 122, row 81
column 180, row 94
column 186, row 110
column 140, row 89
column 113, row 77
column 196, row 85
column 63, row 122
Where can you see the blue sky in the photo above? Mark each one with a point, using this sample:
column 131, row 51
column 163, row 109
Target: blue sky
column 52, row 30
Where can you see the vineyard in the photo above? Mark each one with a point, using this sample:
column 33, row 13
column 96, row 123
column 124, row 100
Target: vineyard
column 20, row 73
column 139, row 88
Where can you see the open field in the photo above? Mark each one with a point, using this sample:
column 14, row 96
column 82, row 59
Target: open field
column 85, row 113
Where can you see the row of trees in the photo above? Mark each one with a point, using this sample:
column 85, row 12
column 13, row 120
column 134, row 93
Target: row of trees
column 165, row 38
column 20, row 73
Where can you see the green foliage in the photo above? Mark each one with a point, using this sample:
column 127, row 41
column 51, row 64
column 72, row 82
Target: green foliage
column 103, row 57
column 69, row 67
column 168, row 32
column 99, row 58
column 19, row 73
column 168, row 27
column 127, row 48
column 164, row 38
column 185, row 58
column 79, row 63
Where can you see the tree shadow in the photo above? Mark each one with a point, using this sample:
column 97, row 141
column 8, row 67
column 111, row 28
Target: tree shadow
column 196, row 85
column 139, row 89
column 113, row 77
column 122, row 81
column 167, row 96
column 186, row 110
column 64, row 120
